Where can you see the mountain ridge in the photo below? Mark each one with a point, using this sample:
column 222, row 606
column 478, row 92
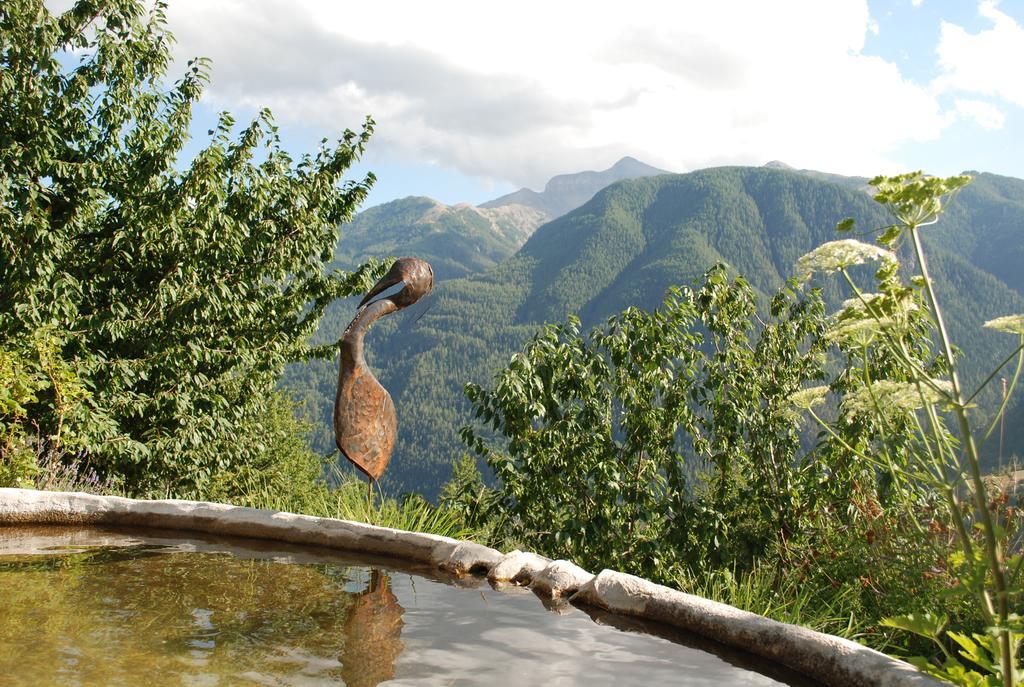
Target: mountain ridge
column 462, row 239
column 458, row 240
column 566, row 192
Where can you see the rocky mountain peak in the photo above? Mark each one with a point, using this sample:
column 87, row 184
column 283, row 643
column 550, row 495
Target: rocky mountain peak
column 567, row 192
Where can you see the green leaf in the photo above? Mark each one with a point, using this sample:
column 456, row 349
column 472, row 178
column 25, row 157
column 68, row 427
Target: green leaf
column 846, row 224
column 926, row 625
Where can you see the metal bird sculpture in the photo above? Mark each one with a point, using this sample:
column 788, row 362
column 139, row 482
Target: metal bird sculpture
column 365, row 424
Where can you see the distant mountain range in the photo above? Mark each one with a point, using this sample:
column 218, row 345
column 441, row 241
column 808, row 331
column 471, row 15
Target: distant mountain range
column 625, row 247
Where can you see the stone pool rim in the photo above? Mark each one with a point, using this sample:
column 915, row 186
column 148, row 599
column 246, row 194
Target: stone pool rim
column 829, row 659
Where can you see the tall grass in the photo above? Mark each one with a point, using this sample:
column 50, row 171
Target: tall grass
column 768, row 591
column 344, row 496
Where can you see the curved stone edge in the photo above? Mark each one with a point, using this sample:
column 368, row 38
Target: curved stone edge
column 26, row 506
column 517, row 567
column 829, row 659
column 560, row 579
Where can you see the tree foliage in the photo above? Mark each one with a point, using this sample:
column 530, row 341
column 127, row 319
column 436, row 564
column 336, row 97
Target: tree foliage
column 638, row 446
column 173, row 294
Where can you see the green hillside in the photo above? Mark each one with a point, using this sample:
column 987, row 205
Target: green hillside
column 984, row 225
column 461, row 240
column 626, row 247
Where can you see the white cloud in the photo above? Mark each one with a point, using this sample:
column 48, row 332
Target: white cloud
column 984, row 114
column 988, row 62
column 521, row 92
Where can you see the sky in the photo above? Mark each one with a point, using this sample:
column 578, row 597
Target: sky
column 475, row 99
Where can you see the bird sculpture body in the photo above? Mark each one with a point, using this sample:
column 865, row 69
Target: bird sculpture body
column 365, row 423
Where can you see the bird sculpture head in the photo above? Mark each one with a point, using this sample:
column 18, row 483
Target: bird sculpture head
column 416, row 277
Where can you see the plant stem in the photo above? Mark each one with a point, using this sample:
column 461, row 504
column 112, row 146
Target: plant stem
column 1008, row 359
column 1007, row 392
column 994, row 553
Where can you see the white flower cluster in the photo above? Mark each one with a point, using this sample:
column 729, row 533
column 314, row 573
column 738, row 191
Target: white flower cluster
column 808, row 398
column 1011, row 324
column 891, row 397
column 837, row 255
column 858, row 331
column 859, row 319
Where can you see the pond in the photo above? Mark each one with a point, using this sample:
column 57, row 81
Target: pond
column 95, row 606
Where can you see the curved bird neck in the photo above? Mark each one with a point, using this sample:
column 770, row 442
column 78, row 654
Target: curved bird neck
column 352, row 339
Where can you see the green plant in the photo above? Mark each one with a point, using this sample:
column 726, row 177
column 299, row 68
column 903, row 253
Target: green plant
column 20, row 380
column 32, row 372
column 282, row 467
column 477, row 505
column 908, row 399
column 174, row 293
column 663, row 441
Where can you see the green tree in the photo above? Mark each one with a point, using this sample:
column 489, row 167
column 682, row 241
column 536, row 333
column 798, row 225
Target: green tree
column 174, row 294
column 662, row 442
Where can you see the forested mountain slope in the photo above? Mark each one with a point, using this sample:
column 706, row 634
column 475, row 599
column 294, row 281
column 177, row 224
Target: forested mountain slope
column 458, row 240
column 985, row 226
column 626, row 247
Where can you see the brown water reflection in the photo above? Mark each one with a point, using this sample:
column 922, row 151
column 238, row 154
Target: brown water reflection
column 374, row 631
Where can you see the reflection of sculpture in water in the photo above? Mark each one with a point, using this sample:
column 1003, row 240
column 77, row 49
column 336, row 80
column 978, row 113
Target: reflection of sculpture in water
column 365, row 425
column 373, row 632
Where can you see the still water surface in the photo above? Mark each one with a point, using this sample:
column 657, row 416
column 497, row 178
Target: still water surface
column 104, row 607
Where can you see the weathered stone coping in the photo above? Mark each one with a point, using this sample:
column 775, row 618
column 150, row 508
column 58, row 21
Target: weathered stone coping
column 831, row 660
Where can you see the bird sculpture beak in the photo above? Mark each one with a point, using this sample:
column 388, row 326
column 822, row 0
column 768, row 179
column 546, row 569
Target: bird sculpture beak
column 386, row 282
